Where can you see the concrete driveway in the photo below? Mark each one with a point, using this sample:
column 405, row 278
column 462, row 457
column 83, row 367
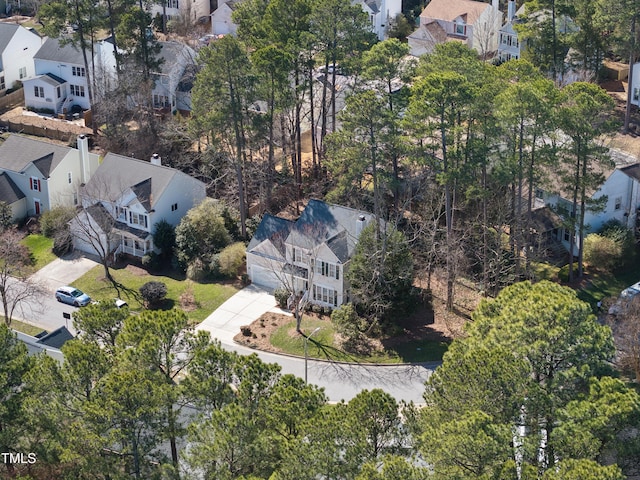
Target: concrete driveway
column 63, row 271
column 241, row 309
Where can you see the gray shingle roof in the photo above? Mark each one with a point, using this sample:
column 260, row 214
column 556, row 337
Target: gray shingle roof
column 146, row 180
column 334, row 225
column 17, row 152
column 9, row 191
column 632, row 171
column 7, row 31
column 52, row 79
column 52, row 50
column 57, row 338
column 171, row 53
column 274, row 229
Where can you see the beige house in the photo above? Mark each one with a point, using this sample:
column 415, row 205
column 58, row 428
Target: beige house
column 36, row 175
column 476, row 24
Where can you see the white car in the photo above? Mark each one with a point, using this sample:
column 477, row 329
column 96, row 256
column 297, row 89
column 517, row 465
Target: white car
column 72, row 296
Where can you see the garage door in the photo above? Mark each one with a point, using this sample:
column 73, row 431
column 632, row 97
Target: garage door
column 264, row 277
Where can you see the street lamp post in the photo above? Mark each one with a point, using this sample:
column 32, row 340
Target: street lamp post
column 306, row 354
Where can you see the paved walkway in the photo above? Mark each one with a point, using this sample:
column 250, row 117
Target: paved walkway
column 63, row 271
column 241, row 309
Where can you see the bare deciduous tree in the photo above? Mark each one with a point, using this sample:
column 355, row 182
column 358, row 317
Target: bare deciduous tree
column 16, row 285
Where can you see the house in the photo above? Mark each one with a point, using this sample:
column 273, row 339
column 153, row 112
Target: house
column 509, row 46
column 192, row 10
column 49, row 343
column 310, row 255
column 635, row 84
column 221, row 23
column 18, row 46
column 124, row 200
column 619, row 193
column 476, row 24
column 173, row 82
column 61, row 79
column 36, row 175
column 380, row 13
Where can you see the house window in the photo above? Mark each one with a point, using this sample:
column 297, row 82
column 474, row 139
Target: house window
column 2, row 84
column 566, row 235
column 174, row 207
column 327, row 269
column 636, row 94
column 618, row 203
column 325, row 295
column 58, row 91
column 23, row 72
column 77, row 90
column 297, row 255
column 69, row 177
column 34, row 184
column 38, row 91
column 172, row 4
column 460, row 28
column 161, row 101
column 138, row 219
column 539, row 193
column 78, row 72
column 75, row 198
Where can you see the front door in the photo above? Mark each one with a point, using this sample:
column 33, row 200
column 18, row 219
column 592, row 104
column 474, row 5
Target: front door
column 36, row 203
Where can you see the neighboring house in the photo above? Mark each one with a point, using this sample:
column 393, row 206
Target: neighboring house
column 635, row 84
column 509, row 47
column 310, row 255
column 221, row 23
column 48, row 343
column 172, row 87
column 193, row 10
column 36, row 175
column 61, row 80
column 124, row 200
column 18, row 45
column 381, row 13
column 622, row 191
column 476, row 24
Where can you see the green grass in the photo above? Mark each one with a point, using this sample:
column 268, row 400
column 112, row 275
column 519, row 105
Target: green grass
column 40, row 249
column 607, row 287
column 25, row 327
column 545, row 271
column 323, row 346
column 208, row 296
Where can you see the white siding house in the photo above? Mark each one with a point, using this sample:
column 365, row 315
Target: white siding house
column 309, row 256
column 46, row 175
column 509, row 45
column 61, row 79
column 18, row 45
column 124, row 200
column 475, row 24
column 178, row 65
column 381, row 13
column 221, row 23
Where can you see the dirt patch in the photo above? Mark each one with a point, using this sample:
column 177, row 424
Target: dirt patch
column 137, row 271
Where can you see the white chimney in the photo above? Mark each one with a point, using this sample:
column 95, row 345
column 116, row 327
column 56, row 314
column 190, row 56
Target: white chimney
column 511, row 10
column 360, row 224
column 156, row 159
column 496, row 5
column 83, row 153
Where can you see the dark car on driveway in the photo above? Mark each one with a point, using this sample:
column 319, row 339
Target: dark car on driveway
column 72, row 296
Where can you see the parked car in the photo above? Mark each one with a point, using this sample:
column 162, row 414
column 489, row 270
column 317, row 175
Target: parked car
column 622, row 304
column 72, row 296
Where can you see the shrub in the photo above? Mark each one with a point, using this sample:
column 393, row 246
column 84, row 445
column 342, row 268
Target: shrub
column 55, row 220
column 602, row 252
column 317, row 309
column 231, row 259
column 350, row 326
column 5, row 216
column 62, row 243
column 164, row 238
column 196, row 270
column 153, row 293
column 281, row 295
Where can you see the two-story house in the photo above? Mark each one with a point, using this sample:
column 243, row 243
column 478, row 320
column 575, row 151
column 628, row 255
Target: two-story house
column 61, row 79
column 18, row 46
column 36, row 175
column 191, row 10
column 177, row 65
column 125, row 199
column 476, row 24
column 310, row 255
column 221, row 21
column 509, row 45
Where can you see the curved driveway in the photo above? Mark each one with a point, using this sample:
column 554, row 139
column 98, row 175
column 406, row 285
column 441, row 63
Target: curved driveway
column 340, row 381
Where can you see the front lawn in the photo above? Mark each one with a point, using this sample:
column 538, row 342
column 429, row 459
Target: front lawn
column 607, row 286
column 24, row 327
column 40, row 249
column 323, row 345
column 207, row 296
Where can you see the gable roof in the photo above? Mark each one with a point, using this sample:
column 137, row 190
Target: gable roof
column 449, row 10
column 57, row 338
column 170, row 54
column 146, row 180
column 334, row 225
column 53, row 50
column 17, row 152
column 632, row 171
column 9, row 191
column 273, row 229
column 7, row 31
